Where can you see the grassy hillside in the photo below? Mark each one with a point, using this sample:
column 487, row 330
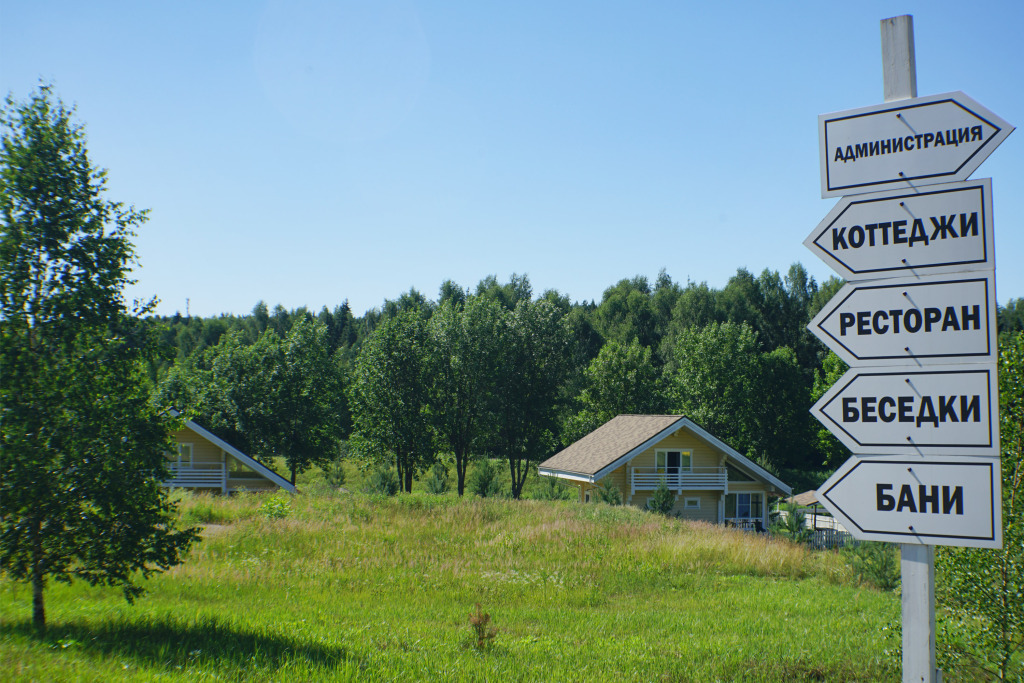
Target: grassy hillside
column 347, row 586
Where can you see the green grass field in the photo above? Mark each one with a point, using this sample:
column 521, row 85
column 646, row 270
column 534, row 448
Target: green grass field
column 348, row 586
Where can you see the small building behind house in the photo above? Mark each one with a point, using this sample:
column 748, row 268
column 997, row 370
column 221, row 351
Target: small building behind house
column 710, row 480
column 205, row 462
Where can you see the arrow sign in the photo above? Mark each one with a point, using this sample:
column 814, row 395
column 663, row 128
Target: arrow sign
column 904, row 144
column 945, row 409
column 903, row 321
column 942, row 228
column 934, row 500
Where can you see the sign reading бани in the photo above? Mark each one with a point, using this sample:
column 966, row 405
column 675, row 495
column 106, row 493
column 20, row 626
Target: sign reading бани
column 923, row 140
column 947, row 500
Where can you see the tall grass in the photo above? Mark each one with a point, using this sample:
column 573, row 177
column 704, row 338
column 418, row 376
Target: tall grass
column 350, row 586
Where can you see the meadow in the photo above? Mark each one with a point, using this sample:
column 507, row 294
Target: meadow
column 339, row 585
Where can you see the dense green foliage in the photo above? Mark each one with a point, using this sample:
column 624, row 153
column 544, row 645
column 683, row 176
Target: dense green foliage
column 354, row 587
column 982, row 591
column 81, row 446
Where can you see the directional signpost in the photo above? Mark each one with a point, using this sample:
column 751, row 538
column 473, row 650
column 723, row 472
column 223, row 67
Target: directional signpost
column 934, row 229
column 917, row 325
column 939, row 500
column 907, row 321
column 902, row 144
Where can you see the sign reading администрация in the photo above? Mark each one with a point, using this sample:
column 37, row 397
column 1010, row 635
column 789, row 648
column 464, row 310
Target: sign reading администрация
column 907, row 143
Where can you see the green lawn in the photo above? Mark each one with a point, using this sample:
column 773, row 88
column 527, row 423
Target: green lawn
column 349, row 586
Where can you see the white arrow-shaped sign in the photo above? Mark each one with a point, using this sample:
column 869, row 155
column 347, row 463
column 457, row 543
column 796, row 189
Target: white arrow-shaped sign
column 944, row 409
column 936, row 500
column 903, row 321
column 905, row 144
column 944, row 228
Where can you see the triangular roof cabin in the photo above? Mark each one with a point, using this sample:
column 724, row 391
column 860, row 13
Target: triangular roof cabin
column 204, row 461
column 710, row 479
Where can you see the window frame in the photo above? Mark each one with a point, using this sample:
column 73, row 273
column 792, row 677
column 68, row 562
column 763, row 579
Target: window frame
column 750, row 505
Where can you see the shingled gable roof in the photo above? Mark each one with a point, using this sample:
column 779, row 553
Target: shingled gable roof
column 624, row 437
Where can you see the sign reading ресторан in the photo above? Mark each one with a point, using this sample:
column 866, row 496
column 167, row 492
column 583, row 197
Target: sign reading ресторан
column 948, row 500
column 907, row 143
column 940, row 409
column 907, row 321
column 943, row 228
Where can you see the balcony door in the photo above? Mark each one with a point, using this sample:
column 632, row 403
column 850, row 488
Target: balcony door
column 672, row 463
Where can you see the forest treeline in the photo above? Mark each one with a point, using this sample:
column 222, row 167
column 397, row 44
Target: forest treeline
column 498, row 371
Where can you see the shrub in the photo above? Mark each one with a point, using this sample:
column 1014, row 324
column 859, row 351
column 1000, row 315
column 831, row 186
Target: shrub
column 794, row 525
column 875, row 563
column 276, row 507
column 384, row 481
column 549, row 488
column 484, row 479
column 334, row 471
column 662, row 500
column 437, row 481
column 609, row 493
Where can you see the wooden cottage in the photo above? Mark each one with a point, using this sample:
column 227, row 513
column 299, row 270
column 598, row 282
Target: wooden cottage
column 206, row 462
column 711, row 481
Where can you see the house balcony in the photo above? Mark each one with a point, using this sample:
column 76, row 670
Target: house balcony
column 199, row 475
column 681, row 479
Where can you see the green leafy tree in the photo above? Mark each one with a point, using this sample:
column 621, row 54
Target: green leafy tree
column 722, row 381
column 389, row 396
column 982, row 589
column 81, row 447
column 534, row 363
column 627, row 312
column 833, row 451
column 461, row 362
column 621, row 380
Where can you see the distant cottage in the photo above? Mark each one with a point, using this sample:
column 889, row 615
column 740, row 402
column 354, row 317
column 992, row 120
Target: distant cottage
column 204, row 461
column 711, row 481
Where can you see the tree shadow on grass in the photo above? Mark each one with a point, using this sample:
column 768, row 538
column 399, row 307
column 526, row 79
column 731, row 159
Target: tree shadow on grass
column 170, row 643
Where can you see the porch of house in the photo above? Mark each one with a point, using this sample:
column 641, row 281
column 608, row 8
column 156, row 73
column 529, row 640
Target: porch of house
column 215, row 476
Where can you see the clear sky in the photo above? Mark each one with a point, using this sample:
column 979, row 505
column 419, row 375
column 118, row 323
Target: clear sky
column 304, row 152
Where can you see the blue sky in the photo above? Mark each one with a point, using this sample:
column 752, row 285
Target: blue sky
column 306, row 152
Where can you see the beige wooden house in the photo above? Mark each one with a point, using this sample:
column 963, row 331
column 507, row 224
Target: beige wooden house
column 206, row 462
column 711, row 481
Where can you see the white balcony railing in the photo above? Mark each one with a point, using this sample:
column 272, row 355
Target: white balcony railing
column 691, row 478
column 198, row 475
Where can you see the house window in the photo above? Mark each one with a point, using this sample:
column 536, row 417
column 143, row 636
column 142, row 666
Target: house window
column 672, row 461
column 743, row 506
column 184, row 455
column 691, row 504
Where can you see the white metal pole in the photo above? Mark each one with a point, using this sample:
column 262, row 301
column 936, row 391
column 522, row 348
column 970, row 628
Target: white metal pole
column 917, row 569
column 917, row 562
column 899, row 66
